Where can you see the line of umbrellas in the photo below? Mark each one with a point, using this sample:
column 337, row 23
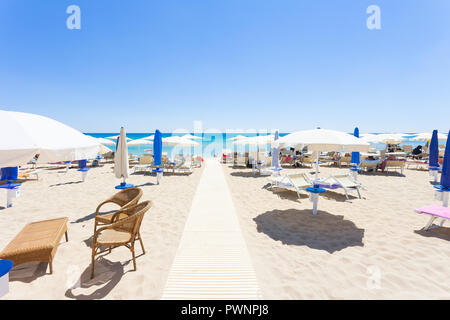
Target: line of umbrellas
column 386, row 138
column 184, row 141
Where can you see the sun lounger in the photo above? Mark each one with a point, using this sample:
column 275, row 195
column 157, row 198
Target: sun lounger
column 240, row 161
column 346, row 181
column 185, row 166
column 417, row 163
column 394, row 165
column 25, row 174
column 436, row 212
column 145, row 162
column 38, row 241
column 369, row 165
column 344, row 160
column 297, row 182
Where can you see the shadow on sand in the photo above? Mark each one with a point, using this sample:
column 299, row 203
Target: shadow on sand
column 29, row 272
column 107, row 276
column 438, row 232
column 325, row 231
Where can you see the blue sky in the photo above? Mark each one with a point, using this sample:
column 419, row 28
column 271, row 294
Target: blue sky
column 286, row 64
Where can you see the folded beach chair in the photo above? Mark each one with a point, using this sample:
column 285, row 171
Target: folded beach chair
column 297, row 182
column 346, row 181
column 436, row 212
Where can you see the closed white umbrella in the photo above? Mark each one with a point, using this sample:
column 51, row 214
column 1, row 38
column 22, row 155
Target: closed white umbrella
column 24, row 135
column 121, row 167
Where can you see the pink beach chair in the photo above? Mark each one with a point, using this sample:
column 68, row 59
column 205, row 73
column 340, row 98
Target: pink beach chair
column 436, row 212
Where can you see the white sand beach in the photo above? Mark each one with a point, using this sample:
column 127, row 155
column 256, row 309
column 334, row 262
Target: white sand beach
column 338, row 254
column 57, row 194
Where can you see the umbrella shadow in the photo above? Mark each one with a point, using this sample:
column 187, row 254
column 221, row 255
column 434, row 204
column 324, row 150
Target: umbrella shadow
column 245, row 174
column 66, row 183
column 285, row 194
column 147, row 184
column 92, row 216
column 339, row 197
column 324, row 231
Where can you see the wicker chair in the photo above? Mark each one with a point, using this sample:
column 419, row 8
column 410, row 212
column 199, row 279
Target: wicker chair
column 123, row 198
column 121, row 232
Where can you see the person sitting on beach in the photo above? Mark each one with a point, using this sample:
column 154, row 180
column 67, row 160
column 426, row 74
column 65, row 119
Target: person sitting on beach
column 416, row 152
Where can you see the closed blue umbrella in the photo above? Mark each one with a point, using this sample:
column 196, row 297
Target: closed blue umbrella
column 355, row 155
column 445, row 177
column 157, row 155
column 157, row 148
column 434, row 150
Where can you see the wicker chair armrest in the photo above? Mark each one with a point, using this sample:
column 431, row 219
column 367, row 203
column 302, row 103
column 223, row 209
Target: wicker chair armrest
column 110, row 200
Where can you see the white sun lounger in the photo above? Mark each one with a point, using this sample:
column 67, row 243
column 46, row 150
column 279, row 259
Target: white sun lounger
column 346, row 181
column 297, row 182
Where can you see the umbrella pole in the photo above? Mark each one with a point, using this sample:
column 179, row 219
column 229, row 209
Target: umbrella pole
column 445, row 198
column 317, row 165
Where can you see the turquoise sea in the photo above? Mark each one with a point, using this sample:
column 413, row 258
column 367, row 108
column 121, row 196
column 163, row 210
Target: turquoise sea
column 210, row 144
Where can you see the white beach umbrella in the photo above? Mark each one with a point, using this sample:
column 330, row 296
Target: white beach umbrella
column 106, row 142
column 425, row 136
column 115, row 137
column 104, row 150
column 190, row 136
column 239, row 137
column 139, row 142
column 179, row 141
column 391, row 138
column 324, row 140
column 121, row 168
column 23, row 135
column 149, row 137
column 256, row 141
